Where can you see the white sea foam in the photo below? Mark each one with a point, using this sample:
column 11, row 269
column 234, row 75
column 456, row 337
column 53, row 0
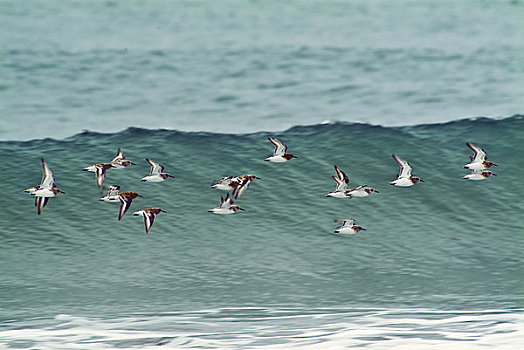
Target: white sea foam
column 249, row 328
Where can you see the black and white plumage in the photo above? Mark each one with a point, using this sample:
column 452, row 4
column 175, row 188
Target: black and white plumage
column 479, row 160
column 156, row 174
column 120, row 161
column 342, row 181
column 149, row 215
column 405, row 179
column 280, row 154
column 45, row 190
column 112, row 195
column 348, row 227
column 226, row 206
column 126, row 198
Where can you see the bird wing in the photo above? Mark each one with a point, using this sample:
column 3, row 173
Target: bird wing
column 405, row 168
column 241, row 186
column 341, row 175
column 346, row 222
column 125, row 202
column 280, row 148
column 156, row 168
column 113, row 190
column 480, row 154
column 119, row 155
column 100, row 175
column 149, row 218
column 41, row 202
column 48, row 181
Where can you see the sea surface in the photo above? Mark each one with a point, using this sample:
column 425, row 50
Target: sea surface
column 198, row 86
column 235, row 66
column 439, row 265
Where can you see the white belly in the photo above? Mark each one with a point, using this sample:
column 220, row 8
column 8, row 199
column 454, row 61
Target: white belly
column 44, row 193
column 475, row 166
column 345, row 230
column 153, row 178
column 337, row 194
column 403, row 182
column 276, row 159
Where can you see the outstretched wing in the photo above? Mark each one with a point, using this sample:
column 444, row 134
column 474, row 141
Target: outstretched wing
column 405, row 168
column 341, row 175
column 48, row 181
column 149, row 218
column 100, row 175
column 41, row 202
column 113, row 190
column 156, row 168
column 119, row 155
column 480, row 154
column 241, row 186
column 125, row 202
column 280, row 148
column 346, row 222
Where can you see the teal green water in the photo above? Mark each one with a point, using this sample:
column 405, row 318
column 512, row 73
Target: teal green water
column 445, row 244
column 199, row 86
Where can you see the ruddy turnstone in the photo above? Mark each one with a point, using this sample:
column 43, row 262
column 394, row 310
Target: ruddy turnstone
column 226, row 206
column 280, row 155
column 479, row 175
column 348, row 227
column 361, row 191
column 45, row 190
column 112, row 195
column 236, row 183
column 120, row 161
column 405, row 179
column 100, row 171
column 342, row 184
column 149, row 215
column 479, row 161
column 156, row 174
column 125, row 201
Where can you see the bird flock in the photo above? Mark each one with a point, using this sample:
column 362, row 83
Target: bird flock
column 238, row 184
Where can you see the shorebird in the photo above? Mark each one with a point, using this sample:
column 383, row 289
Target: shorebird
column 361, row 191
column 342, row 184
column 226, row 206
column 405, row 179
column 348, row 227
column 236, row 183
column 478, row 160
column 156, row 174
column 100, row 171
column 280, row 155
column 120, row 161
column 125, row 201
column 45, row 190
column 479, row 175
column 149, row 215
column 112, row 195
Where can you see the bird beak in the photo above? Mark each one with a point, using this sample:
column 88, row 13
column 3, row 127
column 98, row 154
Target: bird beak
column 241, row 209
column 140, row 196
column 163, row 211
column 377, row 191
column 295, row 157
column 422, row 180
column 495, row 164
column 133, row 163
column 256, row 177
column 171, row 176
column 494, row 174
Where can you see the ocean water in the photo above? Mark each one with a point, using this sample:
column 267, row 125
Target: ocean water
column 199, row 86
column 439, row 265
column 243, row 66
